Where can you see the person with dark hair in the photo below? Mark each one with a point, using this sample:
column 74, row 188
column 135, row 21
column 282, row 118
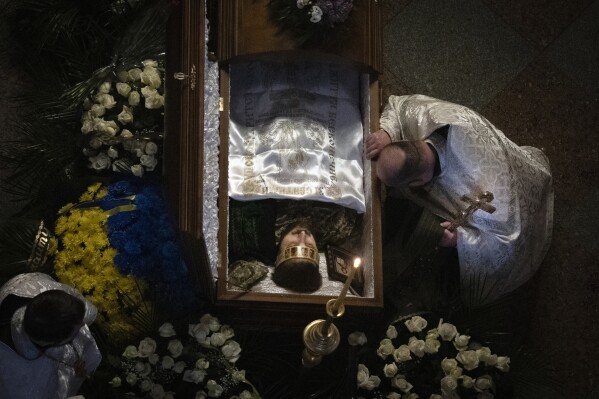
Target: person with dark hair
column 296, row 267
column 45, row 332
column 493, row 199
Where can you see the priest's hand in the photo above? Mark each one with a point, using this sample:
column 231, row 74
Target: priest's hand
column 375, row 142
column 449, row 237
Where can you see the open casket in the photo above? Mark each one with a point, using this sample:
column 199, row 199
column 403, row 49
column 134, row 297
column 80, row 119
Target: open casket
column 247, row 41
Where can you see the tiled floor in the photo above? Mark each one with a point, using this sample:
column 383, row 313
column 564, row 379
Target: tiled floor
column 531, row 67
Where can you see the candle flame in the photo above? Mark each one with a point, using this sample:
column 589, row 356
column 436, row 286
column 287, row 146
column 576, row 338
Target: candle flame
column 357, row 262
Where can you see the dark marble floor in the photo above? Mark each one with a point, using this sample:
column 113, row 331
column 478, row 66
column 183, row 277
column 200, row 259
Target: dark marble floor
column 530, row 67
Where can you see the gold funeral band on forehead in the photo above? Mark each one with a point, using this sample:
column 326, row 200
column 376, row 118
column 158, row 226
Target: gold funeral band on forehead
column 298, row 252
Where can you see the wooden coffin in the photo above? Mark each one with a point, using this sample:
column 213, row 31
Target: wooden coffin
column 246, row 33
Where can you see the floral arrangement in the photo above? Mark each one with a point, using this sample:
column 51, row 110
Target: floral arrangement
column 199, row 365
column 147, row 243
column 84, row 259
column 312, row 22
column 123, row 119
column 413, row 362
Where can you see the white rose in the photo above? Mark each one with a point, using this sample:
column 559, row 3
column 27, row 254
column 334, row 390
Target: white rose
column 447, row 365
column 231, row 351
column 460, row 342
column 153, row 358
column 446, row 330
column 357, row 338
column 302, row 3
column 238, row 375
column 175, row 348
column 199, row 332
column 432, row 334
column 196, row 375
column 122, row 75
column 167, row 362
column 130, row 352
column 134, row 98
column 390, row 370
column 411, row 396
column 167, row 330
column 416, row 346
column 169, row 395
column 393, row 395
column 150, row 63
column 448, row 384
column 391, row 332
column 126, row 115
column 456, row 373
column 146, row 385
column 131, row 378
column 154, row 102
column 503, row 363
column 385, row 348
column 483, row 383
column 402, row 354
column 137, row 170
column 151, row 149
column 115, row 382
column 104, row 88
column 217, row 339
column 100, row 162
column 202, row 363
column 151, row 77
column 157, row 392
column 103, row 126
column 95, row 143
column 112, row 152
column 400, row 382
column 97, row 110
column 214, row 390
column 106, row 100
column 226, row 330
column 210, row 321
column 146, row 347
column 416, row 324
column 134, row 74
column 432, row 345
column 469, row 359
column 146, row 370
column 200, row 395
column 467, row 381
column 365, row 380
column 87, row 123
column 126, row 134
column 123, row 89
column 179, row 367
column 316, row 14
column 246, row 395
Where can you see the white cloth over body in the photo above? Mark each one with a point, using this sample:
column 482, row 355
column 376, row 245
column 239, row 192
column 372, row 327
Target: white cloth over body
column 295, row 131
column 53, row 369
column 505, row 247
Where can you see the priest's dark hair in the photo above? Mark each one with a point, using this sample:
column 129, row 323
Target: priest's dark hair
column 52, row 316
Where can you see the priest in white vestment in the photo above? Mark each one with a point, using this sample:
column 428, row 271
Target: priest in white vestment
column 30, row 369
column 461, row 154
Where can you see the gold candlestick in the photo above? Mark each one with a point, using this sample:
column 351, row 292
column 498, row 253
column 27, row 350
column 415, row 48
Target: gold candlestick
column 321, row 337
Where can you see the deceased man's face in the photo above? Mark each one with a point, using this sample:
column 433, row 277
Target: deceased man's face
column 299, row 236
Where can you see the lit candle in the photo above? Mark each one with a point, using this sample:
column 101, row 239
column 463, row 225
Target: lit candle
column 350, row 277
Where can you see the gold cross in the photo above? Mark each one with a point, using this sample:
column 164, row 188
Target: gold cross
column 482, row 202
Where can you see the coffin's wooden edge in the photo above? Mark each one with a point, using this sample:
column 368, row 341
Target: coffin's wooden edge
column 184, row 137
